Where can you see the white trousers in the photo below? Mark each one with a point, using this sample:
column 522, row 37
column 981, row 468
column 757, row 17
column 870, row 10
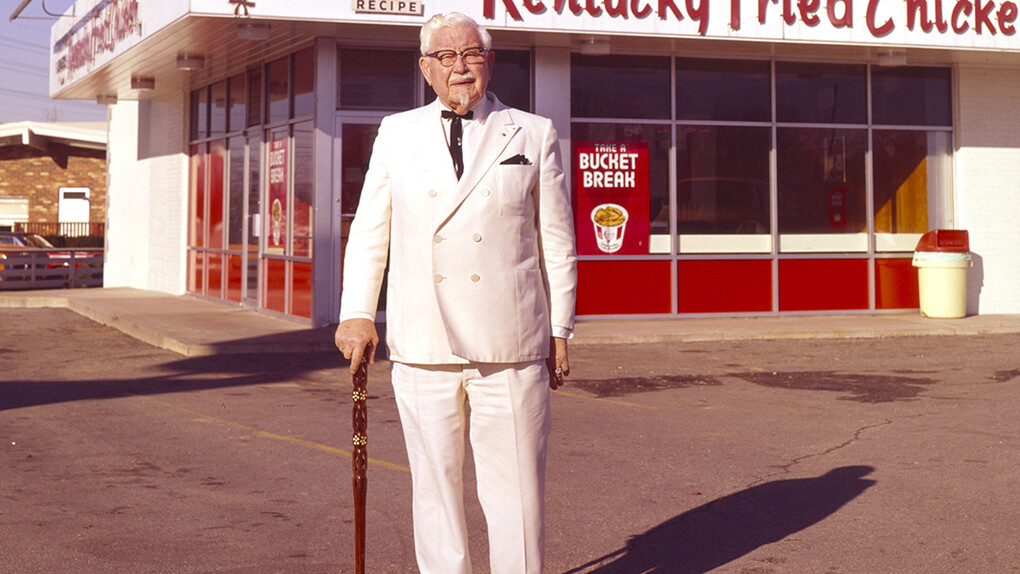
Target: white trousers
column 509, row 431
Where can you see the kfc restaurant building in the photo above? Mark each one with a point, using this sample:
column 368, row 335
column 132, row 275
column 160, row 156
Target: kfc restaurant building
column 727, row 157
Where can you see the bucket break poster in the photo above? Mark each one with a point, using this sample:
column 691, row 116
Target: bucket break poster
column 277, row 194
column 611, row 200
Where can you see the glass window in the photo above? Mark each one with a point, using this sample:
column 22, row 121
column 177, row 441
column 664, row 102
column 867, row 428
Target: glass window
column 723, row 90
column 218, row 109
column 820, row 93
column 196, row 234
column 254, row 214
column 304, row 82
column 357, row 149
column 656, row 210
column 200, row 114
column 304, row 188
column 912, row 185
column 619, row 87
column 377, row 79
column 235, row 194
column 236, row 108
column 911, row 96
column 723, row 186
column 214, row 228
column 278, row 90
column 511, row 79
column 356, row 141
column 254, row 97
column 821, row 180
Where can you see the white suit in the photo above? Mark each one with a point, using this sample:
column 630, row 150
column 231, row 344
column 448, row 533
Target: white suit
column 481, row 272
column 480, row 269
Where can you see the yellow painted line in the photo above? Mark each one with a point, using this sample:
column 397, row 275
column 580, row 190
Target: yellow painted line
column 280, row 437
column 623, row 403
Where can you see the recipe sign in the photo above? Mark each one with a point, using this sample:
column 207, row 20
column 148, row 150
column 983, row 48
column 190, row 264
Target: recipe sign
column 611, row 205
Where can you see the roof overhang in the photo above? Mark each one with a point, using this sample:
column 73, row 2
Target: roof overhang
column 39, row 135
column 104, row 44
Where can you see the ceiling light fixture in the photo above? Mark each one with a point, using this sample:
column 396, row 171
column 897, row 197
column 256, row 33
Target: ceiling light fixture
column 143, row 83
column 190, row 62
column 249, row 31
column 595, row 46
column 892, row 58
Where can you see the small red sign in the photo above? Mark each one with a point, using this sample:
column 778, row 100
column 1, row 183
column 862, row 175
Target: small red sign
column 611, row 199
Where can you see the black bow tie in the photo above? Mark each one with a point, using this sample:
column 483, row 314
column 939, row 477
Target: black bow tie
column 448, row 115
column 456, row 135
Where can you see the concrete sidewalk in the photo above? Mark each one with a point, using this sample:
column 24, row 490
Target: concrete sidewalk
column 192, row 326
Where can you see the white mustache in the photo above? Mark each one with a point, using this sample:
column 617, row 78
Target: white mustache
column 460, row 77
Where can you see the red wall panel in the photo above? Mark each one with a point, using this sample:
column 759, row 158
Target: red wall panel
column 301, row 290
column 823, row 284
column 623, row 287
column 234, row 278
column 274, row 282
column 724, row 286
column 896, row 284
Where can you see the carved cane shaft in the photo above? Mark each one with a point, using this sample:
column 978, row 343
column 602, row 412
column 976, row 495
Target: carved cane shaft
column 359, row 460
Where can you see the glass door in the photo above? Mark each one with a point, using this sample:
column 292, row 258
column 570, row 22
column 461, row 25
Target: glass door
column 353, row 150
column 253, row 223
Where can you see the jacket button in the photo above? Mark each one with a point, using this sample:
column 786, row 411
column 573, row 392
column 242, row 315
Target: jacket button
column 485, row 193
column 437, row 239
column 475, row 278
column 432, row 193
column 439, row 278
column 477, row 238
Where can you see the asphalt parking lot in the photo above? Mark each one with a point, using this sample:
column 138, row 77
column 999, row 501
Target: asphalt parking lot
column 894, row 454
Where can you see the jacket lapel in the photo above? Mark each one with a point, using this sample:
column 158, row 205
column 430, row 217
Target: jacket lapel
column 433, row 145
column 499, row 131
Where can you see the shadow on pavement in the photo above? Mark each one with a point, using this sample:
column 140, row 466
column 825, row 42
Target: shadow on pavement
column 186, row 375
column 723, row 530
column 270, row 359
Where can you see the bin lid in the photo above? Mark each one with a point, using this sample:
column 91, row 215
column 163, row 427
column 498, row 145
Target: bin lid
column 945, row 241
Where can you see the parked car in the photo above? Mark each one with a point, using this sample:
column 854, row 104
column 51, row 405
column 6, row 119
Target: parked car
column 14, row 240
column 18, row 239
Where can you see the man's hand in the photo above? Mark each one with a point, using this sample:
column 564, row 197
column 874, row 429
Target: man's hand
column 559, row 366
column 357, row 338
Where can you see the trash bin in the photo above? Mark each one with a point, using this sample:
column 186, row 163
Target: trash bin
column 942, row 257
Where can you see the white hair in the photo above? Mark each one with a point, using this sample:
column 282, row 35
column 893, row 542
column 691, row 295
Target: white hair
column 452, row 20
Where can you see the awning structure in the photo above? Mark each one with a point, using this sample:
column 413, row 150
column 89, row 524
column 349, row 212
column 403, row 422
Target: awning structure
column 109, row 50
column 39, row 135
column 152, row 58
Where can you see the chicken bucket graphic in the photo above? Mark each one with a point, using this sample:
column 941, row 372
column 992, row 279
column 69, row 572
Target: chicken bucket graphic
column 610, row 222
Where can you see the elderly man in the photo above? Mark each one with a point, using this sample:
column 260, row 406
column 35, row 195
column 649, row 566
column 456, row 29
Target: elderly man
column 467, row 197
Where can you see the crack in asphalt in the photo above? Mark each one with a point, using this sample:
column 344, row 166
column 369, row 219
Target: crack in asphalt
column 786, row 468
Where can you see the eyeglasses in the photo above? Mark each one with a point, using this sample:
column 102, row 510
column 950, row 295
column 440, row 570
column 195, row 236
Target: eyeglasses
column 448, row 58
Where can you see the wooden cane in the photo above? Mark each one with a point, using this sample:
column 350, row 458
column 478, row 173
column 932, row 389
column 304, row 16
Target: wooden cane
column 359, row 460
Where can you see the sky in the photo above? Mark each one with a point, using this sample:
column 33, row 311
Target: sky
column 24, row 68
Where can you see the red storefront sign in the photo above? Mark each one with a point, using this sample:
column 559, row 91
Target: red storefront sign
column 611, row 199
column 277, row 194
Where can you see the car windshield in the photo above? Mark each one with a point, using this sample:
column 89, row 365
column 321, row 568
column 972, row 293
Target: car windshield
column 26, row 240
column 34, row 240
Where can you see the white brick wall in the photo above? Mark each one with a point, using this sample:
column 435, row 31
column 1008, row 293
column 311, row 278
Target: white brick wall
column 168, row 185
column 126, row 209
column 147, row 197
column 988, row 185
